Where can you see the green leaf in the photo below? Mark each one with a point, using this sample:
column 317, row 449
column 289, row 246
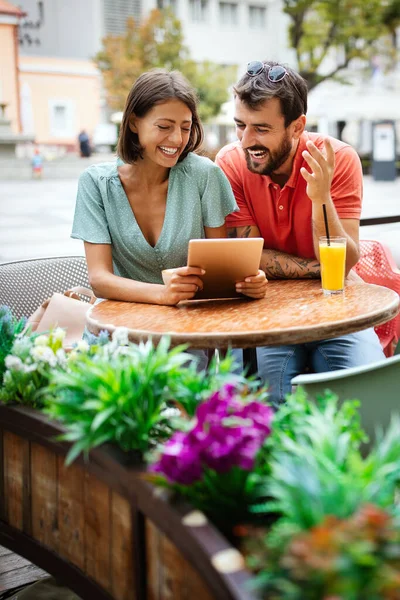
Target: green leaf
column 101, row 417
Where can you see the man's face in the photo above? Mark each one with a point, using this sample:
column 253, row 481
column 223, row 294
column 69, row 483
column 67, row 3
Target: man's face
column 266, row 142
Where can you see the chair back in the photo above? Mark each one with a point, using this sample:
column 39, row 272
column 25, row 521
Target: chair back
column 376, row 386
column 376, row 265
column 25, row 284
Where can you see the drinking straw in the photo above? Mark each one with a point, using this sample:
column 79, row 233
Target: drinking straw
column 328, row 239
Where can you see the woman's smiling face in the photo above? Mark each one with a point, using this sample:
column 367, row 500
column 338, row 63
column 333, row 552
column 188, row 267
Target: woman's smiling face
column 163, row 132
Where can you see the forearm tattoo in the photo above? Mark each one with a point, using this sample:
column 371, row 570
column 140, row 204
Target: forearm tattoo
column 280, row 265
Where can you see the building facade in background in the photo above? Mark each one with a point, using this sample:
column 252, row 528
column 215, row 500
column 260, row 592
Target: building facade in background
column 59, row 88
column 10, row 17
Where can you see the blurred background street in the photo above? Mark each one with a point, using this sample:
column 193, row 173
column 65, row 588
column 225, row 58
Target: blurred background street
column 67, row 67
column 36, row 216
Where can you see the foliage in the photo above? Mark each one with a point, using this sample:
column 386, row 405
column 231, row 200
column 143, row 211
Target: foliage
column 318, row 480
column 214, row 463
column 29, row 366
column 116, row 395
column 354, row 28
column 194, row 386
column 10, row 328
column 304, row 421
column 357, row 558
column 158, row 43
column 318, row 470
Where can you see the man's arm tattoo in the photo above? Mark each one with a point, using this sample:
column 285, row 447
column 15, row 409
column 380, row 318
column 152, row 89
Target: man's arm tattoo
column 280, row 265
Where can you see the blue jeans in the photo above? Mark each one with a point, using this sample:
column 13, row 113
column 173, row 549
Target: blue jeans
column 277, row 365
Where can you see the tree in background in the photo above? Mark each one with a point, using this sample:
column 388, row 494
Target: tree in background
column 158, row 42
column 355, row 28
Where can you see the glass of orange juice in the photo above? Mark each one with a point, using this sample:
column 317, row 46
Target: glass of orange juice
column 332, row 258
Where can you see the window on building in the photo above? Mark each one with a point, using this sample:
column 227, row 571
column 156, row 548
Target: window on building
column 228, row 13
column 198, row 10
column 162, row 4
column 60, row 117
column 257, row 16
column 116, row 12
column 61, row 112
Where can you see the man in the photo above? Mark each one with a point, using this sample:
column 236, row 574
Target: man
column 282, row 176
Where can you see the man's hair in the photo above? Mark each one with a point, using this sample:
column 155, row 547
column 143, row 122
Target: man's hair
column 291, row 90
column 152, row 88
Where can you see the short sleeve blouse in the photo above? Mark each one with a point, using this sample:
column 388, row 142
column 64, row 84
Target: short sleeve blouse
column 199, row 195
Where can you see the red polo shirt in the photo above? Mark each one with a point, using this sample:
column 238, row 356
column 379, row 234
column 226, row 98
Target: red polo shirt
column 283, row 215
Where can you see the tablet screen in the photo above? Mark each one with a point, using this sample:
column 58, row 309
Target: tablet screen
column 226, row 262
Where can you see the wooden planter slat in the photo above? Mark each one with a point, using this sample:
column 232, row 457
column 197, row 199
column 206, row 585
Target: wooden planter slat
column 44, row 492
column 152, row 560
column 99, row 526
column 16, row 481
column 97, row 504
column 122, row 564
column 2, row 498
column 71, row 517
column 180, row 580
column 170, row 576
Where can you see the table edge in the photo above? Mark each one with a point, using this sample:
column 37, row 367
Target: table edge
column 274, row 337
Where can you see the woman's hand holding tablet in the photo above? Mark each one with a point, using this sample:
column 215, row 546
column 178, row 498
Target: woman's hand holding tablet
column 231, row 267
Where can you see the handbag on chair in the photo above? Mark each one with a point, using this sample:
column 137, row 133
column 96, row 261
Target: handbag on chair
column 67, row 311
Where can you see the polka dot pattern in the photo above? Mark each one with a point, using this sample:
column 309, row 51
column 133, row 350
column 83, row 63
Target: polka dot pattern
column 199, row 195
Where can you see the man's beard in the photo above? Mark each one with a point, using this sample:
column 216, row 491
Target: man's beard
column 274, row 160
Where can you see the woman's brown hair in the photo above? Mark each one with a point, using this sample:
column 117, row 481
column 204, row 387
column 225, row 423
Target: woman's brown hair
column 151, row 88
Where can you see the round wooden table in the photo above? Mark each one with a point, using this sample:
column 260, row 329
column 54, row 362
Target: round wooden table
column 293, row 312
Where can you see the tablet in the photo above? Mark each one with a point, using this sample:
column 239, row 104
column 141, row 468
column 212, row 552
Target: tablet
column 226, row 262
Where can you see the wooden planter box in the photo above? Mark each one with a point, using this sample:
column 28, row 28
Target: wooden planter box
column 100, row 528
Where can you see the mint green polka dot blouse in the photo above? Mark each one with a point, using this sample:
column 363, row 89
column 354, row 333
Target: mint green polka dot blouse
column 199, row 195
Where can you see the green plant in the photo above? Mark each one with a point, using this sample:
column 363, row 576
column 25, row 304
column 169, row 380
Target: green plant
column 320, row 471
column 29, row 365
column 194, row 386
column 10, row 329
column 357, row 558
column 118, row 394
column 318, row 486
column 213, row 463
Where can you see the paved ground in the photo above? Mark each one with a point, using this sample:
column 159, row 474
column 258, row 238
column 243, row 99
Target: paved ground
column 36, row 217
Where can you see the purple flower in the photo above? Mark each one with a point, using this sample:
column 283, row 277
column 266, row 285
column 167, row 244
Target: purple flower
column 227, row 433
column 179, row 461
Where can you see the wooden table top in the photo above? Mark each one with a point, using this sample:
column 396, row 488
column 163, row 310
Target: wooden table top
column 292, row 312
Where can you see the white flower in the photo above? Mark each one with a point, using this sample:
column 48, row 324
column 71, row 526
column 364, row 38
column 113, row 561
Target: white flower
column 61, row 357
column 82, row 346
column 13, row 363
column 72, row 355
column 58, row 334
column 44, row 354
column 22, row 346
column 122, row 351
column 42, row 340
column 30, row 368
column 120, row 336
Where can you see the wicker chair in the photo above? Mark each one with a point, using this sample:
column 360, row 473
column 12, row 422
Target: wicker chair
column 25, row 284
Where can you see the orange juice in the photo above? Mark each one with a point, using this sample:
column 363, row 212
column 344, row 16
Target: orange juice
column 332, row 259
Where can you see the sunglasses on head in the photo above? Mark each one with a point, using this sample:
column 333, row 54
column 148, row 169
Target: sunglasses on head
column 274, row 74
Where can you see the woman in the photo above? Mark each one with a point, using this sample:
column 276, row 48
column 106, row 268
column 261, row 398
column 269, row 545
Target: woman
column 137, row 217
